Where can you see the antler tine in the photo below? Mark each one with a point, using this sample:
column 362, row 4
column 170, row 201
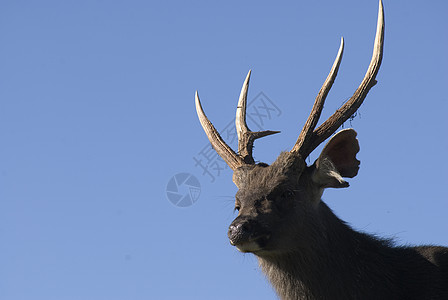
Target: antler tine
column 230, row 157
column 240, row 121
column 327, row 128
column 246, row 137
column 314, row 116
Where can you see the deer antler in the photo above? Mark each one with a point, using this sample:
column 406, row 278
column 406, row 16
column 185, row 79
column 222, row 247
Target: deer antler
column 246, row 137
column 314, row 116
column 309, row 138
column 230, row 157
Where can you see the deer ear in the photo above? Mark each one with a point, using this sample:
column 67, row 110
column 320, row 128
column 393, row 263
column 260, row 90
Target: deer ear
column 337, row 160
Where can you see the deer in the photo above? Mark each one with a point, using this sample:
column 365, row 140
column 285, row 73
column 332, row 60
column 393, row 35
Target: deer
column 302, row 247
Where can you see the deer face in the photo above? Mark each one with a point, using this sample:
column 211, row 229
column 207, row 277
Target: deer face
column 282, row 200
column 269, row 203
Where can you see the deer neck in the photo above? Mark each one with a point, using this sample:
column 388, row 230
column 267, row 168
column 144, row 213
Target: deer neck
column 301, row 274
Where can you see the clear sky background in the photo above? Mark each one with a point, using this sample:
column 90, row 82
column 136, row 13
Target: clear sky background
column 97, row 115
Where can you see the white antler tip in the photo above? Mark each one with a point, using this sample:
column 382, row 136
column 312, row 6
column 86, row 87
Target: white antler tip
column 196, row 97
column 246, row 81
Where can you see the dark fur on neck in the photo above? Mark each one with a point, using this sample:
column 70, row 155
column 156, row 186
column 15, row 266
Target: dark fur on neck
column 346, row 264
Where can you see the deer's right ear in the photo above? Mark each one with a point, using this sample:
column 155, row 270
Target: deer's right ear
column 337, row 160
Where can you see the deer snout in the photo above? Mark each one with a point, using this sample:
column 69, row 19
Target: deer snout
column 238, row 233
column 247, row 235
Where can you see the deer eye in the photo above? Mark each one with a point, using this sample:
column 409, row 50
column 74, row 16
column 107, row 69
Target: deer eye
column 287, row 194
column 237, row 206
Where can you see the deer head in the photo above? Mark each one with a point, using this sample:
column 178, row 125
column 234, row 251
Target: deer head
column 285, row 196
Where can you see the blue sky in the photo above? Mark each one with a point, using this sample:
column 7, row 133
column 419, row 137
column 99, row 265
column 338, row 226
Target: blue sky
column 97, row 115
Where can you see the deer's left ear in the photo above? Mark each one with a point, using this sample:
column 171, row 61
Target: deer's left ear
column 337, row 160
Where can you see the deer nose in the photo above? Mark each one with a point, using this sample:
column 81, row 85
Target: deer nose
column 238, row 233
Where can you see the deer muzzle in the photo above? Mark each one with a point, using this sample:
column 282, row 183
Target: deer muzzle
column 246, row 236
